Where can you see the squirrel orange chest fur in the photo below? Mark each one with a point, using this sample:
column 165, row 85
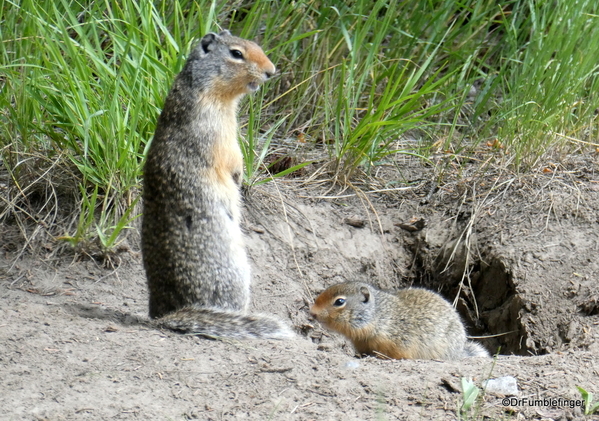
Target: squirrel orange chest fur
column 225, row 157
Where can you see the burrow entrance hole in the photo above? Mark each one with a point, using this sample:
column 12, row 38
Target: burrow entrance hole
column 487, row 298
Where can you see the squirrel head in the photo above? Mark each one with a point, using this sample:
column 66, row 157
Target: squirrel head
column 238, row 66
column 344, row 307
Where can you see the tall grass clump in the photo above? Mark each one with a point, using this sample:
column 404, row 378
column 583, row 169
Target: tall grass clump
column 550, row 77
column 357, row 75
column 372, row 98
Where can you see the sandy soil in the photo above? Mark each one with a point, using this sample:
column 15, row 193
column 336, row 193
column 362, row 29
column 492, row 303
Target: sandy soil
column 520, row 253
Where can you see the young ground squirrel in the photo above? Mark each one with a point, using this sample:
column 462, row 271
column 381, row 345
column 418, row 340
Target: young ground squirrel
column 413, row 323
column 193, row 252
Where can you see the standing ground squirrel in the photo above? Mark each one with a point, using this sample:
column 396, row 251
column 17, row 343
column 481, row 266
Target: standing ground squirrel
column 413, row 323
column 193, row 252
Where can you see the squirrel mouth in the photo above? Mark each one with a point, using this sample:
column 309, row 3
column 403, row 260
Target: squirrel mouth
column 253, row 86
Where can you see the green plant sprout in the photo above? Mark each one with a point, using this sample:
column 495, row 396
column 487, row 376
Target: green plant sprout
column 589, row 407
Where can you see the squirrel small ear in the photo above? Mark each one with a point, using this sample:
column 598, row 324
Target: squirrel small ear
column 208, row 42
column 225, row 33
column 365, row 294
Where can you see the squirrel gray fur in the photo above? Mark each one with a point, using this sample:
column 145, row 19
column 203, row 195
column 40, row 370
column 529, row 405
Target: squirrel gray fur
column 196, row 265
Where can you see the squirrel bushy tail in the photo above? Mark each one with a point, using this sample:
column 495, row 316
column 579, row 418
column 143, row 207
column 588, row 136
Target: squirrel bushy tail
column 217, row 323
column 473, row 349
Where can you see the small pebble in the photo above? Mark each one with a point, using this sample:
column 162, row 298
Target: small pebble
column 352, row 364
column 507, row 386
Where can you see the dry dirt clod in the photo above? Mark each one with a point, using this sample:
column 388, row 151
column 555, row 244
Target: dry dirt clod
column 355, row 222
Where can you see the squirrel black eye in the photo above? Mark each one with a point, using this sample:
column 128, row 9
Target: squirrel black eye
column 236, row 54
column 339, row 302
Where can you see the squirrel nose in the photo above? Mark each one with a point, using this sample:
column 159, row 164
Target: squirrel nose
column 270, row 71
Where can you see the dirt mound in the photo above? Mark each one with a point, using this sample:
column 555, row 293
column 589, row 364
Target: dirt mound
column 522, row 260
